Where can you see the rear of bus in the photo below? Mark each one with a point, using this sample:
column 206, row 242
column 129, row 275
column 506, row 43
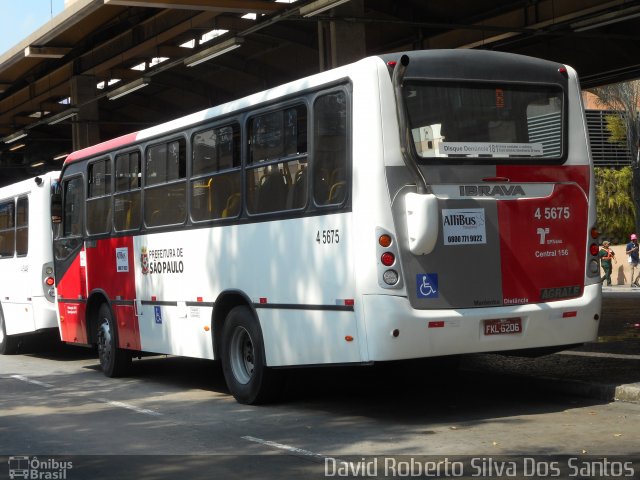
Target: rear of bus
column 27, row 292
column 493, row 246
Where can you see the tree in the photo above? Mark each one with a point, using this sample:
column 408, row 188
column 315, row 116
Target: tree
column 615, row 208
column 624, row 99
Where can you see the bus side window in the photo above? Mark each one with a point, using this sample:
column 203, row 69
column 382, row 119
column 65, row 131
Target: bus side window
column 99, row 201
column 126, row 211
column 73, row 207
column 277, row 158
column 22, row 227
column 216, row 154
column 330, row 149
column 7, row 229
column 165, row 184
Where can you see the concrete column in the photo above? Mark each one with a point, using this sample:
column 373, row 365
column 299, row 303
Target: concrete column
column 85, row 125
column 340, row 42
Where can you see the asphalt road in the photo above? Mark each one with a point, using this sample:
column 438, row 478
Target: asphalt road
column 173, row 417
column 58, row 404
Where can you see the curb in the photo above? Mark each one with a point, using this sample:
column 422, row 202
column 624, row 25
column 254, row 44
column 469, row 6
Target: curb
column 608, row 392
column 628, row 393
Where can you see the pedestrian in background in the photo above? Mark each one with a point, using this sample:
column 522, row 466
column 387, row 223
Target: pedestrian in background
column 634, row 260
column 606, row 257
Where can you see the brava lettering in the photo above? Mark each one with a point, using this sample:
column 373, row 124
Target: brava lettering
column 491, row 191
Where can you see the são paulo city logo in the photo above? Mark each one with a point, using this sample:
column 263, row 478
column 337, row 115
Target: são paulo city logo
column 144, row 260
column 161, row 260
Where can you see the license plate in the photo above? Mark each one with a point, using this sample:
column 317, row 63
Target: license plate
column 503, row 326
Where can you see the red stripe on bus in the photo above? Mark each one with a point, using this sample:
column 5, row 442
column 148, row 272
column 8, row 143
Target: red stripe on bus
column 102, row 147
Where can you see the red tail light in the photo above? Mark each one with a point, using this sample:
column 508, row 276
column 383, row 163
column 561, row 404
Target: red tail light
column 387, row 259
column 593, row 249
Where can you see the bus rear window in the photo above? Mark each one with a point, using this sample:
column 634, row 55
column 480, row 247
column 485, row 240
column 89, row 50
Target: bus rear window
column 485, row 121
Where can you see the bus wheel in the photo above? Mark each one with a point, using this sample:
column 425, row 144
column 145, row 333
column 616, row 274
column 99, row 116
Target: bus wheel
column 8, row 345
column 114, row 361
column 243, row 360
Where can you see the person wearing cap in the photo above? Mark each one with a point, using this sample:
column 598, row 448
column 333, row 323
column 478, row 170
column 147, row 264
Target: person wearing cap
column 634, row 260
column 606, row 256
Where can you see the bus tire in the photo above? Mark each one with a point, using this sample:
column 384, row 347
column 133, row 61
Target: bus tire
column 250, row 381
column 114, row 361
column 8, row 344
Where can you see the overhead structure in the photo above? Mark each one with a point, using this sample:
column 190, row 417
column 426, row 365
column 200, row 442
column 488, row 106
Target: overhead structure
column 103, row 68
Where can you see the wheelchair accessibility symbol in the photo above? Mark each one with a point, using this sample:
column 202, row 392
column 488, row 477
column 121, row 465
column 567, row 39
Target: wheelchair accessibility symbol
column 427, row 285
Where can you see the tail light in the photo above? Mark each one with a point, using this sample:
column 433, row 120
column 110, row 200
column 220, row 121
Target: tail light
column 387, row 252
column 48, row 282
column 388, row 259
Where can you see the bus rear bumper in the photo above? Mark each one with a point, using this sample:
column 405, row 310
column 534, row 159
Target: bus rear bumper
column 44, row 314
column 396, row 331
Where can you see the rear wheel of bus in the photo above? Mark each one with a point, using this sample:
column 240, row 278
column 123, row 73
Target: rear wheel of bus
column 243, row 360
column 114, row 361
column 8, row 345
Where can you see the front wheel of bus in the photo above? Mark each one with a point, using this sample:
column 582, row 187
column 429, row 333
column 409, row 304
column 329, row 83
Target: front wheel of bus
column 114, row 361
column 8, row 345
column 243, row 360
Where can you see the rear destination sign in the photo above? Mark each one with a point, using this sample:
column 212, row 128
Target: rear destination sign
column 501, row 149
column 464, row 226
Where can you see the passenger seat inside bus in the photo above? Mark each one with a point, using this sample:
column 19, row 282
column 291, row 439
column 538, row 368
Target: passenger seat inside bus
column 330, row 173
column 298, row 191
column 232, row 206
column 272, row 192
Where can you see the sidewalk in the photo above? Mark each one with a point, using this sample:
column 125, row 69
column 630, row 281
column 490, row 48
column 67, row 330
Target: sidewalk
column 608, row 369
column 620, row 290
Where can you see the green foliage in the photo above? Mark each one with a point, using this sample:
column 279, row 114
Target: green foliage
column 617, row 128
column 614, row 202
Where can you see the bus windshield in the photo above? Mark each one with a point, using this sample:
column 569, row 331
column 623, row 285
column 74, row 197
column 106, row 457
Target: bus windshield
column 485, row 120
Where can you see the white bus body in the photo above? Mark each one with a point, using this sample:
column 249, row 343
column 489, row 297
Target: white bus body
column 27, row 292
column 382, row 257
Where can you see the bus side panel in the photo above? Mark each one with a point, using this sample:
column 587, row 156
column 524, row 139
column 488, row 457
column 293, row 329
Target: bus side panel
column 110, row 268
column 72, row 302
column 72, row 323
column 44, row 314
column 18, row 317
column 303, row 337
column 128, row 331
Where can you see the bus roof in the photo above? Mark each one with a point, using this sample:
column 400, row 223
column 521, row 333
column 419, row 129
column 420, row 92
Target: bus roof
column 219, row 111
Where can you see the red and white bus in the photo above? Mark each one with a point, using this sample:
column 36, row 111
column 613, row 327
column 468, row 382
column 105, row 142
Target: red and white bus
column 27, row 291
column 405, row 206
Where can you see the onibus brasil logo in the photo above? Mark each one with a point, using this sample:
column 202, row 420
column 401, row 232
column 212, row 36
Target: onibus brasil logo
column 33, row 468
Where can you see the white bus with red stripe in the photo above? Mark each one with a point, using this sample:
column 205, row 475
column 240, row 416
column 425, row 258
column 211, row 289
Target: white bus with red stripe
column 27, row 291
column 405, row 206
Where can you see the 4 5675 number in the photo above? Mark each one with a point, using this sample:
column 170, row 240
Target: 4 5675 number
column 327, row 237
column 553, row 213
